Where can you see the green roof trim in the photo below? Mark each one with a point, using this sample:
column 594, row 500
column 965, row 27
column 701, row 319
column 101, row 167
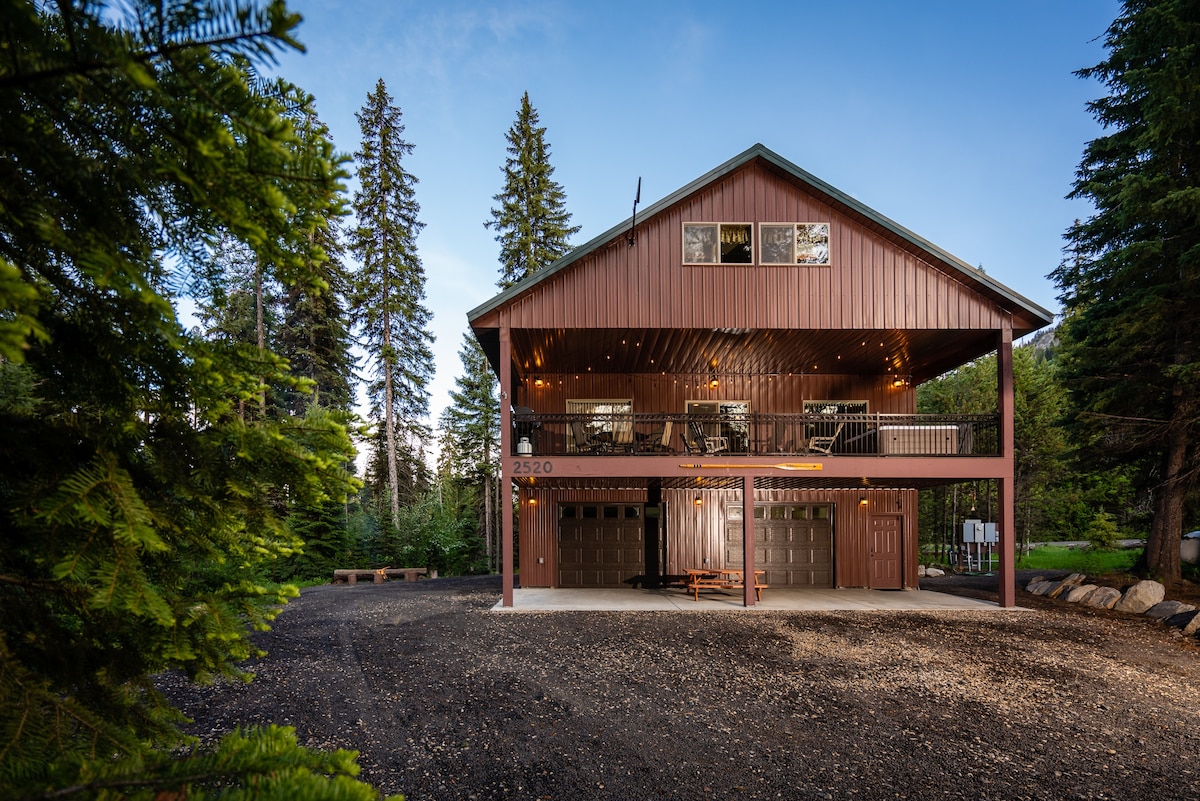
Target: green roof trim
column 737, row 162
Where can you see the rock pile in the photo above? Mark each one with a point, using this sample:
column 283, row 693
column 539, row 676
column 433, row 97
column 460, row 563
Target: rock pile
column 1144, row 598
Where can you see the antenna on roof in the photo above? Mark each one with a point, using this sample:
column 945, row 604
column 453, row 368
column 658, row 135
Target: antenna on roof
column 633, row 226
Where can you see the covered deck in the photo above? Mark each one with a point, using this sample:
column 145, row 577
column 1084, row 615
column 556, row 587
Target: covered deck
column 755, row 434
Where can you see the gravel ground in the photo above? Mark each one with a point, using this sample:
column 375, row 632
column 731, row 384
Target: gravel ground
column 446, row 700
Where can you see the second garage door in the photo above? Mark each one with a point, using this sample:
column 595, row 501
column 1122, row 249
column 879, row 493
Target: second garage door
column 792, row 542
column 600, row 545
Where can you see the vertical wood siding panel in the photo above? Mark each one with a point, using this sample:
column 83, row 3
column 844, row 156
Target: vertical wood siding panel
column 872, row 283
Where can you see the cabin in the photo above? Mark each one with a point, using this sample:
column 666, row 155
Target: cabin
column 727, row 381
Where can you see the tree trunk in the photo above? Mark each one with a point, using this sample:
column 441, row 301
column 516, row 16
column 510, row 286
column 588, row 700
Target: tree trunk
column 260, row 328
column 1162, row 555
column 389, row 417
column 498, row 524
column 487, row 518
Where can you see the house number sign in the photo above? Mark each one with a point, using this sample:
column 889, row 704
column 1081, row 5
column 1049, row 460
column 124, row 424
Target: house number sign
column 532, row 467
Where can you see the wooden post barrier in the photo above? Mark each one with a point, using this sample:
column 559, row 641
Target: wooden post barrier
column 382, row 574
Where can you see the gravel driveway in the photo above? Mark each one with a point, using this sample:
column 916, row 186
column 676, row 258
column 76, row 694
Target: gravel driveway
column 446, row 700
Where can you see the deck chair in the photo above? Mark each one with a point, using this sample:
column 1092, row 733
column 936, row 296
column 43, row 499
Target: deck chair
column 824, row 444
column 623, row 435
column 583, row 442
column 706, row 443
column 661, row 441
column 783, row 442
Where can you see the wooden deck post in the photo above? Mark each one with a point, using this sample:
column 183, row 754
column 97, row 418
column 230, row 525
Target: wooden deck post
column 505, row 507
column 748, row 578
column 1006, row 496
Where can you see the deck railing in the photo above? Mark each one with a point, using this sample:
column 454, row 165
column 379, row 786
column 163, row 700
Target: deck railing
column 935, row 435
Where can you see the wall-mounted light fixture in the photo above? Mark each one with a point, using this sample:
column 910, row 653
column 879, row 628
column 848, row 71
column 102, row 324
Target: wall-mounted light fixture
column 713, row 383
column 533, row 501
column 900, row 381
column 862, row 501
column 539, row 383
column 698, row 501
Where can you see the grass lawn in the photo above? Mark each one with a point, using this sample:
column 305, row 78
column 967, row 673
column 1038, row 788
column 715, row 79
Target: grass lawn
column 1092, row 562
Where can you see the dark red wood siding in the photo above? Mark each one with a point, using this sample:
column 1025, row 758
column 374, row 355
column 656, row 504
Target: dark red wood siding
column 873, row 282
column 695, row 533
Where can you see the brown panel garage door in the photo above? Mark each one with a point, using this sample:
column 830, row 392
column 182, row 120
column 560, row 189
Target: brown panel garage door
column 792, row 542
column 600, row 545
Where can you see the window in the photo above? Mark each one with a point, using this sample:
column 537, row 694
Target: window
column 729, row 419
column 794, row 243
column 718, row 243
column 598, row 418
column 835, row 407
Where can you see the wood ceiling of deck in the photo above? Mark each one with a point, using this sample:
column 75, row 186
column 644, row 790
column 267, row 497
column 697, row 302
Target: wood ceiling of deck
column 921, row 354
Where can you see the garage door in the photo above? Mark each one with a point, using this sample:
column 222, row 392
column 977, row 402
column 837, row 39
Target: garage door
column 792, row 542
column 600, row 545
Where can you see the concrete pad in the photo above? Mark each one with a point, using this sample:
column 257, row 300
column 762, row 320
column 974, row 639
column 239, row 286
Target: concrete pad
column 539, row 599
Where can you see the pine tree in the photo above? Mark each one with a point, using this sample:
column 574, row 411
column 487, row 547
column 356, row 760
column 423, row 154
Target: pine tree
column 1131, row 282
column 531, row 222
column 471, row 440
column 136, row 504
column 389, row 290
column 315, row 331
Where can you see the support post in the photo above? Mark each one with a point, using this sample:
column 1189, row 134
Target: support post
column 505, row 505
column 748, row 592
column 1006, row 495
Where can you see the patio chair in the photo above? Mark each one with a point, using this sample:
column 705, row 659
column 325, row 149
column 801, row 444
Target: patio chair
column 824, row 444
column 584, row 442
column 622, row 436
column 660, row 440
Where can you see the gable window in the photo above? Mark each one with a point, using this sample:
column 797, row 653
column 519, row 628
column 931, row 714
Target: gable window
column 794, row 243
column 718, row 243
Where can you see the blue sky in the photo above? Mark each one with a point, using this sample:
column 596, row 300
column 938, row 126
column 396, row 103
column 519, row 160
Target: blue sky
column 961, row 121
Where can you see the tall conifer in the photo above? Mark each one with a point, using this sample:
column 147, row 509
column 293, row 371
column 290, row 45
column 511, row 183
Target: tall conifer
column 471, row 426
column 389, row 289
column 1131, row 284
column 531, row 221
column 315, row 332
column 136, row 506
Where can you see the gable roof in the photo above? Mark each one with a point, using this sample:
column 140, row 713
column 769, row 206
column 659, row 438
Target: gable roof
column 1028, row 316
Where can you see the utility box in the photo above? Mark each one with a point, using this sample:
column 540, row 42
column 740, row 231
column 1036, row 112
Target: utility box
column 973, row 531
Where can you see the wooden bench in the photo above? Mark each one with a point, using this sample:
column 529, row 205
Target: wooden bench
column 382, row 574
column 704, row 579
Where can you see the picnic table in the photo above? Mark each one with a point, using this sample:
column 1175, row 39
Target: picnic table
column 706, row 578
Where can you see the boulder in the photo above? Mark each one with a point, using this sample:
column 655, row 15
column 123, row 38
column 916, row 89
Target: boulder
column 1034, row 580
column 1101, row 598
column 1140, row 597
column 1041, row 588
column 1164, row 609
column 1189, row 551
column 920, row 571
column 1069, row 583
column 1076, row 594
column 934, row 572
column 1187, row 622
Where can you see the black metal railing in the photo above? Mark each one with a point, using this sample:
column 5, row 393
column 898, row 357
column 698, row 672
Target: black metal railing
column 757, row 434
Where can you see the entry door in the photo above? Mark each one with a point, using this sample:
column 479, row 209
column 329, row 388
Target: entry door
column 884, row 559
